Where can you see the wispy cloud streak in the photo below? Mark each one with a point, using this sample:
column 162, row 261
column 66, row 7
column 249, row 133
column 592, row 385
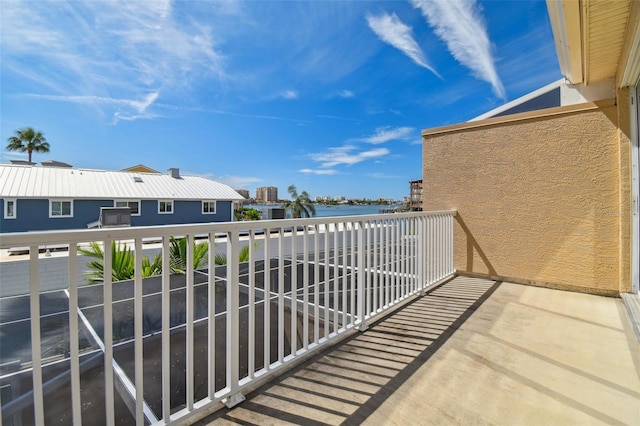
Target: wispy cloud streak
column 387, row 133
column 391, row 30
column 345, row 155
column 461, row 26
column 289, row 94
column 126, row 49
column 322, row 172
column 128, row 109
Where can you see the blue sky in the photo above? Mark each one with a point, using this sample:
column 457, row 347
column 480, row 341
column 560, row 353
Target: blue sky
column 330, row 96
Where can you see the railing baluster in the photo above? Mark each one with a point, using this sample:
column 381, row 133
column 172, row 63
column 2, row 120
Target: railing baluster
column 74, row 330
column 137, row 324
column 166, row 326
column 419, row 259
column 190, row 341
column 251, row 321
column 441, row 247
column 294, row 290
column 407, row 257
column 366, row 267
column 281, row 333
column 233, row 320
column 346, row 272
column 387, row 257
column 336, row 277
column 431, row 251
column 305, row 289
column 108, row 335
column 36, row 349
column 267, row 299
column 392, row 260
column 375, row 272
column 355, row 272
column 316, row 286
column 211, row 316
column 361, row 288
column 410, row 245
column 326, row 281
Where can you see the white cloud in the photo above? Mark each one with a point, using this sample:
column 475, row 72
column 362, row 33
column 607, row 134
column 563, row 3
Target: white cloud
column 387, row 133
column 347, row 94
column 239, row 182
column 461, row 26
column 377, row 175
column 391, row 30
column 345, row 155
column 333, row 117
column 289, row 94
column 318, row 171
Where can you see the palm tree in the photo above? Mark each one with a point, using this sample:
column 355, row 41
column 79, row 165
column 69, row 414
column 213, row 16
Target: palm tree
column 301, row 206
column 178, row 255
column 28, row 140
column 121, row 265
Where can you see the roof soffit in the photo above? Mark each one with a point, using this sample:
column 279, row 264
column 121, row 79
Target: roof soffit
column 590, row 37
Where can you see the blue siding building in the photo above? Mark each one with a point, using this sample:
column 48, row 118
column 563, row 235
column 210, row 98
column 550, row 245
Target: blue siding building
column 49, row 198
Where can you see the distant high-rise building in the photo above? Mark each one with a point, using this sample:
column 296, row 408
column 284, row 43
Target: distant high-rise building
column 243, row 192
column 415, row 195
column 267, row 194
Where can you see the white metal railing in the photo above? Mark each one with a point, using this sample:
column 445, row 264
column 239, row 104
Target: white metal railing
column 172, row 346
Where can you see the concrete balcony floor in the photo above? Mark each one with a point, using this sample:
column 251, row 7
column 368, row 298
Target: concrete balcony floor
column 472, row 351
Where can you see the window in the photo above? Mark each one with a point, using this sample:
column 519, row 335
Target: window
column 133, row 205
column 165, row 207
column 10, row 210
column 208, row 207
column 60, row 208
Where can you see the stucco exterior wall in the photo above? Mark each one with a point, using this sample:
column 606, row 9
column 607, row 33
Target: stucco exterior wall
column 540, row 196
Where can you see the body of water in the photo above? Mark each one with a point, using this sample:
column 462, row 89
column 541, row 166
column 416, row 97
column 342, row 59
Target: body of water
column 331, row 211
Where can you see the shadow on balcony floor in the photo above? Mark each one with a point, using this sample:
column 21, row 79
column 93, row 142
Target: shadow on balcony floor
column 527, row 356
column 349, row 381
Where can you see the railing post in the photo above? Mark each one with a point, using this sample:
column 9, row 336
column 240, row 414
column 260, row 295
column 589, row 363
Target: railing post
column 233, row 321
column 361, row 275
column 452, row 265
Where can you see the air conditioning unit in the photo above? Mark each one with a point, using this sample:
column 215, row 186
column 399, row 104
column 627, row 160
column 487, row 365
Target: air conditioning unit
column 276, row 213
column 111, row 217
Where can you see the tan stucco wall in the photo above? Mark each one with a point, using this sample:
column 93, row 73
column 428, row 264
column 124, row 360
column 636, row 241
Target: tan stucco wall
column 540, row 197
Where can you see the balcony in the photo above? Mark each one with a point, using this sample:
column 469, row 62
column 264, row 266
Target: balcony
column 471, row 351
column 331, row 320
column 168, row 348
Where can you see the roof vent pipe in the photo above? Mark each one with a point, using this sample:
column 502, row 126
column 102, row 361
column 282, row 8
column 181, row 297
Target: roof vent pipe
column 174, row 172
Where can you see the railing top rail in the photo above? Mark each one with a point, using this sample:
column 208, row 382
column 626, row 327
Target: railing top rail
column 41, row 238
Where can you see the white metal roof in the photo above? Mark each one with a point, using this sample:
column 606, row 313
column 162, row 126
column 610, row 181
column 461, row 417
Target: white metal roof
column 519, row 101
column 18, row 181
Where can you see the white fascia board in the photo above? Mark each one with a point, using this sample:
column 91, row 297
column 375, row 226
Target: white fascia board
column 565, row 18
